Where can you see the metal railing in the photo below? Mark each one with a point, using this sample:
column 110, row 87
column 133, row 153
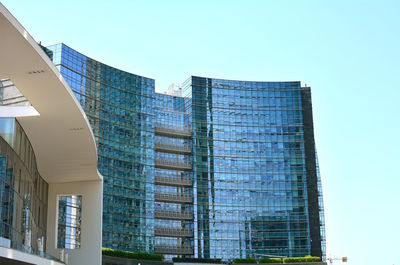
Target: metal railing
column 172, row 215
column 172, row 148
column 16, row 243
column 172, row 164
column 173, row 131
column 173, row 197
column 173, row 181
column 163, row 249
column 174, row 232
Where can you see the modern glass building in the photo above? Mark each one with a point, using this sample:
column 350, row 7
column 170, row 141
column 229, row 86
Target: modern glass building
column 254, row 168
column 23, row 192
column 119, row 106
column 226, row 170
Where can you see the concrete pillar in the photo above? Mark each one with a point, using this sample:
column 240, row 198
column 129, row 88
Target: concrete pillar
column 91, row 225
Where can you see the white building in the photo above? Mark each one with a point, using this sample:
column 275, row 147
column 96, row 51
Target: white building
column 50, row 189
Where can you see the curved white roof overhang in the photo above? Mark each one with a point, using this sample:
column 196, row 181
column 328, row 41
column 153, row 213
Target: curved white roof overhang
column 61, row 135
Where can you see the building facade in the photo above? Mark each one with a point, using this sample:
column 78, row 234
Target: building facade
column 119, row 107
column 227, row 170
column 252, row 183
column 50, row 188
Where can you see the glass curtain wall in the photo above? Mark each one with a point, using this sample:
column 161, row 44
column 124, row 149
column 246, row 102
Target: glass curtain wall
column 119, row 106
column 249, row 168
column 221, row 172
column 23, row 192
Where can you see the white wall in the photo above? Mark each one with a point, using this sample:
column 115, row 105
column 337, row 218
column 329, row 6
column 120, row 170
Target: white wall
column 25, row 257
column 91, row 226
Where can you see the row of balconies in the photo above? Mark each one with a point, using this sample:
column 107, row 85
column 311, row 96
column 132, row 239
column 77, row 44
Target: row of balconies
column 173, row 232
column 171, row 148
column 169, row 164
column 173, row 181
column 164, row 249
column 173, row 131
column 177, row 198
column 171, row 215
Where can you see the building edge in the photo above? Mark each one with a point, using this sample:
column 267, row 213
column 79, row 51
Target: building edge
column 311, row 171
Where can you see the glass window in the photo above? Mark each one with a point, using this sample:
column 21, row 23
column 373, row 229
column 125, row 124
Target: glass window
column 69, row 221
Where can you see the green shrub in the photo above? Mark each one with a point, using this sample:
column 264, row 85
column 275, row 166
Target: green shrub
column 131, row 255
column 270, row 260
column 301, row 259
column 248, row 260
column 195, row 260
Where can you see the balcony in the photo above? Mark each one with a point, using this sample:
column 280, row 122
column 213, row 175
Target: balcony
column 171, row 148
column 163, row 249
column 169, row 164
column 170, row 215
column 173, row 232
column 177, row 198
column 173, row 181
column 173, row 131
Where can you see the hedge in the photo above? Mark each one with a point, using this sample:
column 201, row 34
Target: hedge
column 131, row 255
column 194, row 260
column 278, row 260
column 248, row 260
column 302, row 259
column 270, row 260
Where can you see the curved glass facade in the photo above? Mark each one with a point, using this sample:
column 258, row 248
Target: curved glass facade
column 119, row 106
column 226, row 171
column 249, row 168
column 23, row 192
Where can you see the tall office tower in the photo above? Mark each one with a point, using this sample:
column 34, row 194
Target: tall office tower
column 120, row 109
column 227, row 170
column 254, row 168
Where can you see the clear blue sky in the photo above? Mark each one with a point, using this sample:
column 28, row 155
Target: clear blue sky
column 347, row 51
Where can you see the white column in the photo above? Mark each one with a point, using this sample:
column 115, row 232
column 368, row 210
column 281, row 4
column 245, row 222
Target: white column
column 91, row 225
